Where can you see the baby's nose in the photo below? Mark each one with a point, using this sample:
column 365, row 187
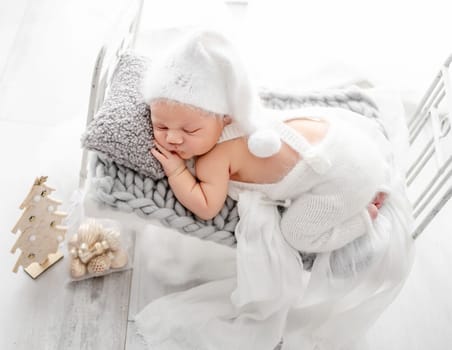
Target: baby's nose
column 174, row 137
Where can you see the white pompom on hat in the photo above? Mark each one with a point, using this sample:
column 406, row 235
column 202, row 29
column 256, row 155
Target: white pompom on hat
column 204, row 70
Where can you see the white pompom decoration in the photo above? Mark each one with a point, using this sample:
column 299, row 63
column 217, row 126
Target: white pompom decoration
column 264, row 143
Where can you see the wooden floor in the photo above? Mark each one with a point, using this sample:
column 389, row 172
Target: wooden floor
column 47, row 50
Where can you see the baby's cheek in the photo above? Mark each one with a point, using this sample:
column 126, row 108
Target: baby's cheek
column 194, row 147
column 159, row 136
column 190, row 146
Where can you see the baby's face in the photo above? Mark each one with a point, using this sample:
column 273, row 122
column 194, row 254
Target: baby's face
column 184, row 130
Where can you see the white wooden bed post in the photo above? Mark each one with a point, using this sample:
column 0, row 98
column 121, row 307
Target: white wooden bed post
column 429, row 176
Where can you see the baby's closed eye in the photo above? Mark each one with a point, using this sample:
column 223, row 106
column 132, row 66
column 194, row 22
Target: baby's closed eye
column 191, row 131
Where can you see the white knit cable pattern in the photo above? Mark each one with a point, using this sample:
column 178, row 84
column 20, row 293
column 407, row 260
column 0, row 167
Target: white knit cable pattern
column 126, row 190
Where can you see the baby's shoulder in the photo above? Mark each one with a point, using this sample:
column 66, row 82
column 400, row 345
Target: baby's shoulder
column 226, row 153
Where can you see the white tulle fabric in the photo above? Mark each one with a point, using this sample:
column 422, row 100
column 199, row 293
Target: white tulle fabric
column 245, row 312
column 272, row 298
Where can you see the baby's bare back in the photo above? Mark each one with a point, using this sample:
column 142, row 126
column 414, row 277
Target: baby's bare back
column 246, row 167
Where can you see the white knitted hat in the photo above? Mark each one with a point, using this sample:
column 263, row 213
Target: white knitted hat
column 204, row 70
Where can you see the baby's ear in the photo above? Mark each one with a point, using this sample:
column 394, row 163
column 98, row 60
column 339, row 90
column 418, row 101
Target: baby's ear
column 227, row 120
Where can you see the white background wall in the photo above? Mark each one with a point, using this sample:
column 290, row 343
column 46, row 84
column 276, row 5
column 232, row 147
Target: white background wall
column 312, row 44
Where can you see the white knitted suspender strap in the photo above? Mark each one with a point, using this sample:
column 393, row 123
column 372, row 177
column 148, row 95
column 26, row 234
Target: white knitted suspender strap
column 295, row 140
column 231, row 131
column 318, row 162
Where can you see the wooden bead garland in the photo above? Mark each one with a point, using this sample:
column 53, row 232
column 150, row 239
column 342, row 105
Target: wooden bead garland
column 95, row 250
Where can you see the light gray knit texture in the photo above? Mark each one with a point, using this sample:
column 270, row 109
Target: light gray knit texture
column 122, row 129
column 124, row 189
column 129, row 191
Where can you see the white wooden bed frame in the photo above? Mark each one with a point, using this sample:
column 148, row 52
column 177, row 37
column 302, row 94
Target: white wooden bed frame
column 430, row 157
column 428, row 178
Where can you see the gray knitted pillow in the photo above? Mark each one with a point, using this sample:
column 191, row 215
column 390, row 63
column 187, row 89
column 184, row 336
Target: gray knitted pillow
column 121, row 129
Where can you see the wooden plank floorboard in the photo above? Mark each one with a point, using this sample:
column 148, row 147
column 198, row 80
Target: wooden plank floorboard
column 95, row 313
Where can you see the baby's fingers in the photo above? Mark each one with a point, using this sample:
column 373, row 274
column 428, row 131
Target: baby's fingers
column 161, row 149
column 160, row 157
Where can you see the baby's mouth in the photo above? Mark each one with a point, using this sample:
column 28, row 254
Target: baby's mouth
column 177, row 151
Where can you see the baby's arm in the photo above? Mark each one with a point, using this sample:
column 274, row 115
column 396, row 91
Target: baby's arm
column 205, row 194
column 318, row 223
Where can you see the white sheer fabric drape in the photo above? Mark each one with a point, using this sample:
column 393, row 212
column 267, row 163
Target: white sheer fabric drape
column 272, row 297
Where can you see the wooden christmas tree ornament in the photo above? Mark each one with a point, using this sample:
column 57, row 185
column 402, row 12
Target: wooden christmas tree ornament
column 41, row 230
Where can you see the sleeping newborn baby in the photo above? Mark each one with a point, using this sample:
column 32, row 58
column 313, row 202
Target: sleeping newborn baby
column 304, row 180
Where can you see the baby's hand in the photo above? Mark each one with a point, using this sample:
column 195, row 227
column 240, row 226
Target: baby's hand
column 172, row 164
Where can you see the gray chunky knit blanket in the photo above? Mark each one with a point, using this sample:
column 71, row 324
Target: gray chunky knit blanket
column 126, row 190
